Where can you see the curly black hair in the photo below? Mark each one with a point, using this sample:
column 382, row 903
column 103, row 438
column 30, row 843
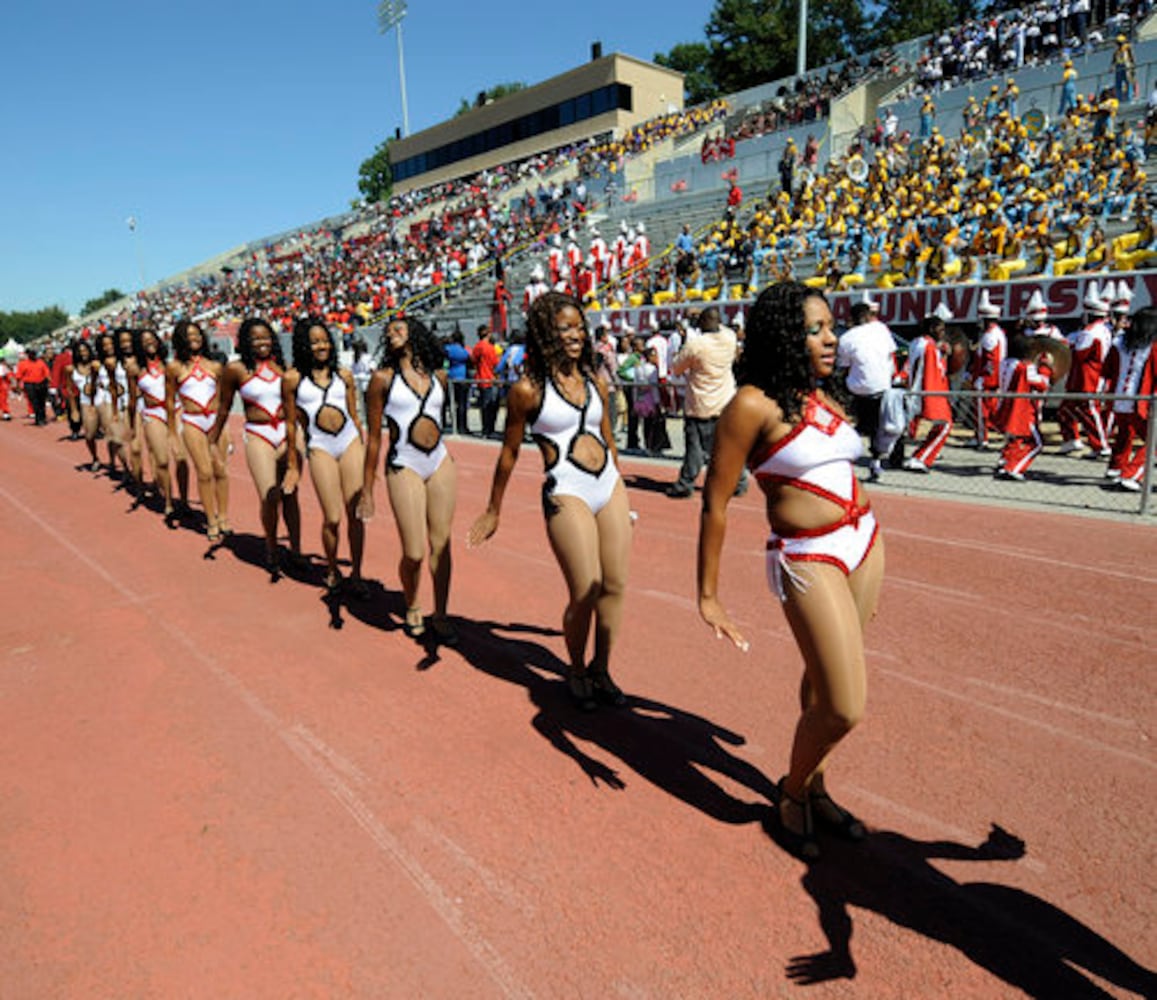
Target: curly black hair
column 139, row 347
column 544, row 353
column 245, row 342
column 303, row 353
column 121, row 353
column 775, row 358
column 1142, row 329
column 181, row 349
column 75, row 347
column 426, row 354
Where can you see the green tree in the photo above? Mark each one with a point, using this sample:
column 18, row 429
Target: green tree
column 375, row 177
column 26, row 326
column 898, row 20
column 495, row 93
column 106, row 298
column 691, row 59
column 754, row 41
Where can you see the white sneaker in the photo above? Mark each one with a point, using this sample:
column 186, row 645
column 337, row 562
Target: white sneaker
column 1106, row 453
column 1018, row 476
column 915, row 465
column 1131, row 485
column 1112, row 473
column 1070, row 446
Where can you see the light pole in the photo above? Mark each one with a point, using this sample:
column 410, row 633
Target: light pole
column 131, row 222
column 391, row 13
column 801, row 48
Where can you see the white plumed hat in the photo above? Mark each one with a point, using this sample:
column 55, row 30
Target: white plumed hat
column 1123, row 300
column 986, row 307
column 1036, row 306
column 1093, row 301
column 942, row 312
column 867, row 300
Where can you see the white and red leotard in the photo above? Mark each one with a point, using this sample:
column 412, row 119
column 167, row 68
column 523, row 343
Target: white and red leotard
column 817, row 456
column 262, row 390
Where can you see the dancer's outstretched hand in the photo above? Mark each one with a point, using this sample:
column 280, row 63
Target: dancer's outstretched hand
column 482, row 529
column 714, row 614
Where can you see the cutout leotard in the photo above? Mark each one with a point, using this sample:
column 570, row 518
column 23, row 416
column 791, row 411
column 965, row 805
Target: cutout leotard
column 817, row 456
column 405, row 410
column 557, row 428
column 151, row 387
column 198, row 389
column 311, row 398
column 262, row 390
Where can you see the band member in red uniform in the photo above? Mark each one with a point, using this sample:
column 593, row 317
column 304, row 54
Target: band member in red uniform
column 498, row 308
column 1090, row 346
column 1038, row 318
column 555, row 260
column 598, row 253
column 927, row 370
column 1131, row 370
column 990, row 354
column 1018, row 417
column 534, row 288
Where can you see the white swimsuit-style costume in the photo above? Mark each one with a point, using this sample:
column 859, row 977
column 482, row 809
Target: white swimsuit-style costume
column 817, row 456
column 103, row 396
column 557, row 429
column 404, row 409
column 151, row 389
column 122, row 379
column 82, row 383
column 311, row 398
column 262, row 390
column 198, row 388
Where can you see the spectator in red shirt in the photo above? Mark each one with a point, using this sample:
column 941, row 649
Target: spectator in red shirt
column 734, row 196
column 34, row 375
column 484, row 357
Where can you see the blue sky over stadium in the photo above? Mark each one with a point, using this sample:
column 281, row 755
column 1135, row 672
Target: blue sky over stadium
column 219, row 122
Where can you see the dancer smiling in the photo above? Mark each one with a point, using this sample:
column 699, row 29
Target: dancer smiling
column 409, row 393
column 323, row 398
column 584, row 500
column 825, row 559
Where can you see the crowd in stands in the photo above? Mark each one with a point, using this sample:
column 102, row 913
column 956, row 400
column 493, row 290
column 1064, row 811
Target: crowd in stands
column 808, row 100
column 1032, row 35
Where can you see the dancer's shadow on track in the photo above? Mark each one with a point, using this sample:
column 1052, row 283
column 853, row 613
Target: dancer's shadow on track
column 1014, row 935
column 667, row 746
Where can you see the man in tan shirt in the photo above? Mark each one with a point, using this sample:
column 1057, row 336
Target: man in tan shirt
column 706, row 361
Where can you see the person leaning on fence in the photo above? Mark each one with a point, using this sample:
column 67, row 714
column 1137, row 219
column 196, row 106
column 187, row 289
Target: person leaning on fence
column 867, row 351
column 985, row 372
column 706, row 362
column 1089, row 346
column 1131, row 371
column 1019, row 416
column 927, row 371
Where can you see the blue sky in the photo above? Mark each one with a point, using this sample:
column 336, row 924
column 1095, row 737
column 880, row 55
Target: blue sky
column 220, row 122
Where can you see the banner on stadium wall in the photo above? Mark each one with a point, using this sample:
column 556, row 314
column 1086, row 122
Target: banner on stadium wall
column 908, row 306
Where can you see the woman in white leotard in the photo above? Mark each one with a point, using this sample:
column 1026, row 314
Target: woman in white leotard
column 83, row 375
column 108, row 390
column 407, row 393
column 585, row 502
column 191, row 397
column 150, row 416
column 322, row 399
column 825, row 557
column 257, row 378
column 127, row 426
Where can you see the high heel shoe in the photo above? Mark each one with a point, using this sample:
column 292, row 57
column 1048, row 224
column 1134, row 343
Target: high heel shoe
column 801, row 844
column 846, row 825
column 582, row 692
column 605, row 689
column 415, row 625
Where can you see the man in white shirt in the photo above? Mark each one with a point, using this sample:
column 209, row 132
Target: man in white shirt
column 868, row 351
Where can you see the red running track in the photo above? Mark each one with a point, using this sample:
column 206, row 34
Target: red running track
column 210, row 792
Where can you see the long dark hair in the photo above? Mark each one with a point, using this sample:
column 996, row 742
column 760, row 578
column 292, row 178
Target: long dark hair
column 245, row 343
column 139, row 347
column 99, row 350
column 544, row 353
column 181, row 341
column 775, row 358
column 303, row 353
column 1142, row 329
column 426, row 354
column 75, row 348
column 123, row 355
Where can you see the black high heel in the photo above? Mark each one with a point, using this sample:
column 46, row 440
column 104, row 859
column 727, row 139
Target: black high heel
column 604, row 689
column 847, row 826
column 801, row 845
column 582, row 691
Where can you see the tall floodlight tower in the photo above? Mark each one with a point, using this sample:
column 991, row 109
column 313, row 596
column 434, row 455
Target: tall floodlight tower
column 391, row 13
column 801, row 48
